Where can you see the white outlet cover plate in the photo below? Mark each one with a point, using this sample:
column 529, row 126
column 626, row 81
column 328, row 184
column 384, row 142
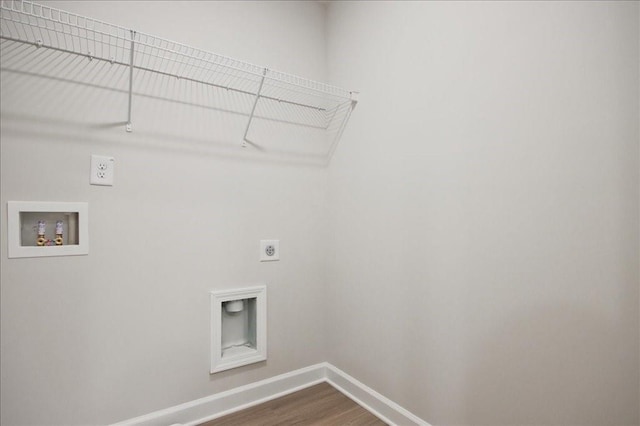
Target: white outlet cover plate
column 275, row 245
column 102, row 168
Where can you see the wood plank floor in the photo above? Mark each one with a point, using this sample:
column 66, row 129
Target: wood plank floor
column 317, row 405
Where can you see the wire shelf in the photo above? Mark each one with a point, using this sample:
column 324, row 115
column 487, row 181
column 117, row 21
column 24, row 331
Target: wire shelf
column 279, row 98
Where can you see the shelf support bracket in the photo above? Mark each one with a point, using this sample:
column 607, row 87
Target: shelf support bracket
column 133, row 36
column 253, row 110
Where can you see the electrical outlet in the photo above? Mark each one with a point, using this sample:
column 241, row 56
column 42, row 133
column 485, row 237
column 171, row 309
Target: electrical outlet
column 269, row 250
column 102, row 170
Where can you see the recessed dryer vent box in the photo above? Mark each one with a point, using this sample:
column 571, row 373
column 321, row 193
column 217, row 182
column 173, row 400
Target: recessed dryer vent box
column 47, row 228
column 238, row 327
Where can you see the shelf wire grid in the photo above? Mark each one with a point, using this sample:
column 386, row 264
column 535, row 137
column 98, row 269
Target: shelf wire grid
column 41, row 25
column 274, row 95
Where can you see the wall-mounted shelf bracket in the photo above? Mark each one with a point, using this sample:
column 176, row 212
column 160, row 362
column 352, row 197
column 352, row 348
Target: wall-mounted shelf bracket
column 133, row 36
column 253, row 110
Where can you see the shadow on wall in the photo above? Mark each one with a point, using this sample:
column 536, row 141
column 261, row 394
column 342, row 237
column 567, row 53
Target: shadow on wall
column 552, row 365
column 56, row 89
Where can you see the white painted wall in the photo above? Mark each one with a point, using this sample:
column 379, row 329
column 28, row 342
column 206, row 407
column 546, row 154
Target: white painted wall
column 124, row 331
column 483, row 214
column 484, row 209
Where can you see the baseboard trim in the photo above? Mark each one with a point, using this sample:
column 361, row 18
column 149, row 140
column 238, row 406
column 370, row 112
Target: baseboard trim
column 211, row 407
column 381, row 406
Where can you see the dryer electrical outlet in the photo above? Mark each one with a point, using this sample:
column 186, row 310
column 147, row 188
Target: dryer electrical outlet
column 269, row 250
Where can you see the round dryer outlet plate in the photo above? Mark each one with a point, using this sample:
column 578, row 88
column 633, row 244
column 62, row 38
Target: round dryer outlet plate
column 269, row 250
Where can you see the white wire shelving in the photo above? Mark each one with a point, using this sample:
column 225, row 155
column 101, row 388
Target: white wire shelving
column 268, row 95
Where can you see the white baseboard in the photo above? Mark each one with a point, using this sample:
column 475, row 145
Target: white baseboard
column 223, row 403
column 382, row 407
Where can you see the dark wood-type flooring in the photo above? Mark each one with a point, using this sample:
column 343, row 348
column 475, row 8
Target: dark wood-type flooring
column 317, row 405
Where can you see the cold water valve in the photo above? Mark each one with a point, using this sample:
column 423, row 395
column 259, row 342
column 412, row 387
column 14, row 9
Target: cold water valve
column 58, row 240
column 42, row 229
